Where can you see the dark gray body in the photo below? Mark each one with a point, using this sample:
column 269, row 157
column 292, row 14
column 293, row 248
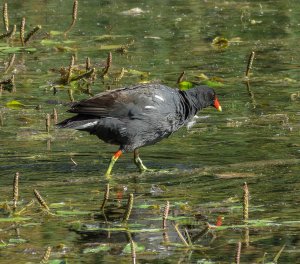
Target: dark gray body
column 139, row 115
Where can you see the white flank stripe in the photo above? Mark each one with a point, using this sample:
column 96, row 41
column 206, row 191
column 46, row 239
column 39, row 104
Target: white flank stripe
column 159, row 97
column 150, row 107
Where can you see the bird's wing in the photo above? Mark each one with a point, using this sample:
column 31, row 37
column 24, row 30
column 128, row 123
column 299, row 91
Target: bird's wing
column 133, row 102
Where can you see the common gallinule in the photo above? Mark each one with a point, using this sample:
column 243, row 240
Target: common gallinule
column 138, row 116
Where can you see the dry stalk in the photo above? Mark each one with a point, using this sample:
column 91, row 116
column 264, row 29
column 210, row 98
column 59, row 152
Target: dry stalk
column 133, row 253
column 87, row 64
column 31, row 33
column 10, row 63
column 22, row 31
column 84, row 75
column 238, row 253
column 120, row 75
column 249, row 64
column 70, row 69
column 246, row 202
column 48, row 122
column 41, row 200
column 10, row 33
column 70, row 92
column 5, row 17
column 15, row 190
column 181, row 236
column 106, row 196
column 166, row 213
column 74, row 16
column 128, row 208
column 1, row 115
column 108, row 64
column 180, row 78
column 54, row 115
column 46, row 256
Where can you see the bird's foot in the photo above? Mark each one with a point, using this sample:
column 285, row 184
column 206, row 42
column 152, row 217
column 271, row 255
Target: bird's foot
column 139, row 163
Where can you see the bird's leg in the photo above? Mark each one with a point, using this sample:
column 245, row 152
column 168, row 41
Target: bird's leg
column 113, row 160
column 138, row 162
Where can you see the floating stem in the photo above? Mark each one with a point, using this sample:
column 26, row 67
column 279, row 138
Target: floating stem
column 128, row 208
column 41, row 200
column 74, row 16
column 31, row 33
column 16, row 190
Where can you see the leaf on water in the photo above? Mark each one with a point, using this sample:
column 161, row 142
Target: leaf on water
column 148, row 206
column 56, row 33
column 138, row 248
column 17, row 241
column 14, row 104
column 57, row 205
column 185, row 85
column 8, row 49
column 136, row 72
column 97, row 249
column 70, row 213
column 65, row 48
column 14, row 219
column 220, row 43
column 50, row 42
column 57, row 261
column 230, row 175
column 109, row 37
column 111, row 47
column 213, row 84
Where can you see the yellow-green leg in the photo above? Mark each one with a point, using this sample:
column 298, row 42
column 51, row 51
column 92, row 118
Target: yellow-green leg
column 138, row 162
column 113, row 160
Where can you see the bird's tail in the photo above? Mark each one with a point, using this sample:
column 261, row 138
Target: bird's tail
column 79, row 122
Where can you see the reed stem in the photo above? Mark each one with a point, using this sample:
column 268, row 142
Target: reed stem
column 249, row 64
column 15, row 191
column 32, row 33
column 5, row 17
column 46, row 256
column 105, row 198
column 74, row 17
column 22, row 31
column 41, row 200
column 245, row 202
column 128, row 208
column 166, row 213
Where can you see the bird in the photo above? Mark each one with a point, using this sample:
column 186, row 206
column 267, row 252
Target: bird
column 139, row 115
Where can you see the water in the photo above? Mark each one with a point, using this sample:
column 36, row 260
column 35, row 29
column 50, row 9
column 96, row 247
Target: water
column 201, row 171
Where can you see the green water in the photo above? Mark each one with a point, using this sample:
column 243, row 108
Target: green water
column 201, row 171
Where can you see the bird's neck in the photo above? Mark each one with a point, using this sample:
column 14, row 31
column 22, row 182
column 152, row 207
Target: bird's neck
column 190, row 103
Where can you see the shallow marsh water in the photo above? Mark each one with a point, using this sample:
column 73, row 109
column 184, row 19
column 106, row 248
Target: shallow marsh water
column 201, row 171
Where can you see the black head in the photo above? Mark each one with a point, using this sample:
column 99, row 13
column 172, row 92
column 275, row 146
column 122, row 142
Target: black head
column 204, row 96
